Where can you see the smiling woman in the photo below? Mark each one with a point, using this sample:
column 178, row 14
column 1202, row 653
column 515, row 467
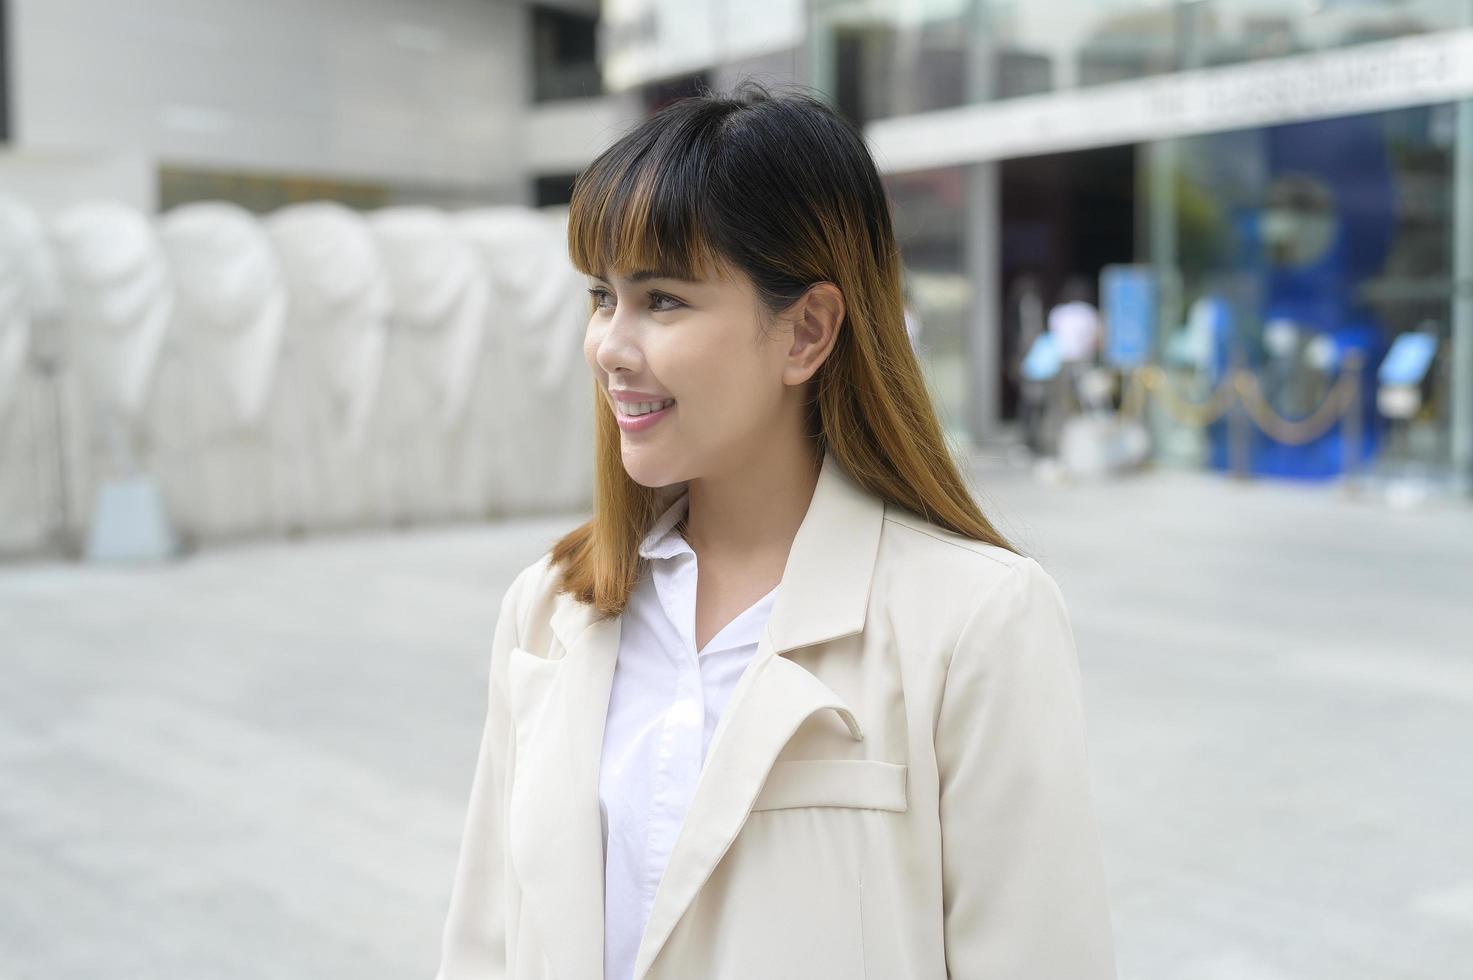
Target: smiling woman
column 742, row 263
column 787, row 706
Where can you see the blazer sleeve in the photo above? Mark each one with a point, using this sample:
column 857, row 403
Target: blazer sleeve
column 1023, row 881
column 473, row 945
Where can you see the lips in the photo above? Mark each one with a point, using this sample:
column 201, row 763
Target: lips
column 638, row 423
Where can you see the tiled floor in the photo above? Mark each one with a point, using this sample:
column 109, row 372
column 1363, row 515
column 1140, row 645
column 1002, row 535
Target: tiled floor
column 254, row 763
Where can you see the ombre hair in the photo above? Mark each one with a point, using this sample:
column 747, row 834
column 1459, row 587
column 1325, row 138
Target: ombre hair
column 783, row 189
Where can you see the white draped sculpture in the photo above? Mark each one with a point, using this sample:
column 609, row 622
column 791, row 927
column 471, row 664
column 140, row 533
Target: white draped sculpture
column 310, row 370
column 209, row 437
column 426, row 440
column 534, row 388
column 20, row 234
column 119, row 300
column 30, row 312
column 337, row 329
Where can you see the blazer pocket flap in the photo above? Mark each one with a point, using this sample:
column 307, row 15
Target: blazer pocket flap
column 865, row 783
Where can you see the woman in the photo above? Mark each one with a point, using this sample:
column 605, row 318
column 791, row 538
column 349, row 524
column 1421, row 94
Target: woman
column 851, row 747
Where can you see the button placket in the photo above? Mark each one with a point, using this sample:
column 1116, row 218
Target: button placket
column 681, row 726
column 682, row 687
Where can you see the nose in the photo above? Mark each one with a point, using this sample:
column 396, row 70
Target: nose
column 618, row 347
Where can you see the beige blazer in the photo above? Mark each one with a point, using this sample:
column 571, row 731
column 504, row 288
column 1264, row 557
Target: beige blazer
column 897, row 788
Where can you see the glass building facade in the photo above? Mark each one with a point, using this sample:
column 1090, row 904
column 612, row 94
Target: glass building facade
column 1290, row 182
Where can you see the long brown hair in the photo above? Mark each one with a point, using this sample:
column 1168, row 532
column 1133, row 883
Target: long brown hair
column 784, row 189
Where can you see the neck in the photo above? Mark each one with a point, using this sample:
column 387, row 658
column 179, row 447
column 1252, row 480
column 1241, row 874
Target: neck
column 753, row 508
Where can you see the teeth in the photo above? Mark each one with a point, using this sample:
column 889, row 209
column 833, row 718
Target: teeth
column 643, row 408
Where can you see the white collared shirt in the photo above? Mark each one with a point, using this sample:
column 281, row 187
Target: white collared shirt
column 663, row 708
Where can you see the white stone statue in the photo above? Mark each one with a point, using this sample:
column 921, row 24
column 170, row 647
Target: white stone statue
column 209, row 438
column 337, row 328
column 119, row 303
column 440, row 297
column 534, row 393
column 30, row 313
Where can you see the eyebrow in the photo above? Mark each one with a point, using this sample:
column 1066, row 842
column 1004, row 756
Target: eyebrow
column 644, row 275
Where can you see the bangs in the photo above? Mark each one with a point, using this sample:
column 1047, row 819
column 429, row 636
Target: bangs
column 637, row 209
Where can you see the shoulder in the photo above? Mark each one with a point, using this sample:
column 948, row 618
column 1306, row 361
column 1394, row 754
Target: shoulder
column 536, row 575
column 944, row 559
column 532, row 586
column 936, row 583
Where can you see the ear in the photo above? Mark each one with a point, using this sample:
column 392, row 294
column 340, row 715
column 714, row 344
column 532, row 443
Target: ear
column 816, row 318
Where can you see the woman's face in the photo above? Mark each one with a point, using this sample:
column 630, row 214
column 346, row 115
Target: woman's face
column 696, row 349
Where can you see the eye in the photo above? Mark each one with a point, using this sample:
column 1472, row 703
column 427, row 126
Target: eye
column 599, row 294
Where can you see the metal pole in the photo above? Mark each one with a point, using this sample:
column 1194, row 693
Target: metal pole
column 982, row 247
column 984, row 325
column 1159, row 165
column 1461, row 349
column 818, row 70
column 1240, row 427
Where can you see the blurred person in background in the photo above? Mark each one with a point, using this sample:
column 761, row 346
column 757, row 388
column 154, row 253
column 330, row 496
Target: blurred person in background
column 1025, row 325
column 1075, row 325
column 854, row 744
column 1075, row 320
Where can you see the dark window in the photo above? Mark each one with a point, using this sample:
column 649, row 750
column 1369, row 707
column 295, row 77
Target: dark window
column 552, row 189
column 564, row 55
column 264, row 192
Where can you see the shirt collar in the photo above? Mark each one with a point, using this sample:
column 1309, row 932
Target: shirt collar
column 675, row 585
column 828, row 577
column 663, row 541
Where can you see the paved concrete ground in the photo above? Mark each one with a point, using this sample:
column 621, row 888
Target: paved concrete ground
column 254, row 764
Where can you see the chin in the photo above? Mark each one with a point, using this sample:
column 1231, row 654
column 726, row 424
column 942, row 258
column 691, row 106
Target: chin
column 647, row 472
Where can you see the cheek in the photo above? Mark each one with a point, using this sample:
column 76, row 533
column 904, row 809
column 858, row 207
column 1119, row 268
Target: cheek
column 725, row 376
column 591, row 338
column 694, row 372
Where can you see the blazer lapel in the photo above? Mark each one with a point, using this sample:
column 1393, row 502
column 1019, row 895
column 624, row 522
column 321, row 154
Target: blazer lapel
column 559, row 706
column 555, row 829
column 824, row 595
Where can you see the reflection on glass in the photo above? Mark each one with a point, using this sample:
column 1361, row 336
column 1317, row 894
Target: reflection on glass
column 929, row 224
column 1342, row 230
column 897, row 57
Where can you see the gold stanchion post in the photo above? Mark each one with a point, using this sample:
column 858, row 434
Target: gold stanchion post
column 1350, row 435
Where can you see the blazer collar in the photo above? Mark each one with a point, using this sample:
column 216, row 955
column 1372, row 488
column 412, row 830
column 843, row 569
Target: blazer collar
column 825, row 583
column 558, row 708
